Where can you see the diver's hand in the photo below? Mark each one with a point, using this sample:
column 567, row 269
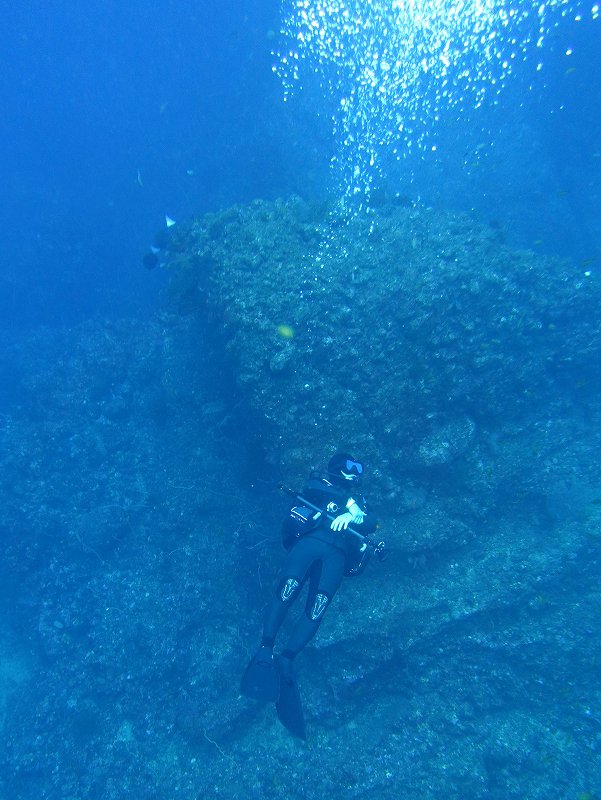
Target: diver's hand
column 356, row 513
column 341, row 522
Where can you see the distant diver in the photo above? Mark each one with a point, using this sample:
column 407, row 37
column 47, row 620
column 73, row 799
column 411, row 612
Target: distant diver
column 151, row 258
column 162, row 240
column 327, row 536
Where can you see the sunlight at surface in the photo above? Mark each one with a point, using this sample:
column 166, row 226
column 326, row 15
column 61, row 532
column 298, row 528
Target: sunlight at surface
column 390, row 67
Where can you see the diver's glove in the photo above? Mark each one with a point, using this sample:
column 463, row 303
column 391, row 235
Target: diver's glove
column 355, row 511
column 342, row 521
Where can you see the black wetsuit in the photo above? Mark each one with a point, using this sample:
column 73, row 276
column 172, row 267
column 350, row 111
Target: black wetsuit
column 323, row 557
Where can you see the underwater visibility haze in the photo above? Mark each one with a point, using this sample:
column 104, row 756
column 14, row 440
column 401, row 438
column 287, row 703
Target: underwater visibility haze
column 351, row 250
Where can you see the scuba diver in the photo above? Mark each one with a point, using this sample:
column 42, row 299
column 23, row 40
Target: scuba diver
column 327, row 537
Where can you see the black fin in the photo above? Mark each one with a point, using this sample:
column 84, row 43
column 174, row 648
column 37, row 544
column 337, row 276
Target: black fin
column 261, row 679
column 289, row 706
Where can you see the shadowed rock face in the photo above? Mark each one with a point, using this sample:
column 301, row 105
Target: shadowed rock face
column 138, row 547
column 405, row 337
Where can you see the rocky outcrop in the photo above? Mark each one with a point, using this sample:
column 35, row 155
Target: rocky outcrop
column 140, row 526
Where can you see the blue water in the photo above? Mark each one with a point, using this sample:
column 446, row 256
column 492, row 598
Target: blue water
column 116, row 114
column 107, row 108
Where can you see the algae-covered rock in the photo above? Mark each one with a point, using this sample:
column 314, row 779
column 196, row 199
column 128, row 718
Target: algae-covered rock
column 139, row 548
column 399, row 336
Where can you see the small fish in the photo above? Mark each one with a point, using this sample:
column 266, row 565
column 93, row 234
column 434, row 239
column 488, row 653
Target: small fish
column 169, row 222
column 586, row 262
column 139, row 180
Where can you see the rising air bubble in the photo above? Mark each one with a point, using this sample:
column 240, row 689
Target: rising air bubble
column 388, row 69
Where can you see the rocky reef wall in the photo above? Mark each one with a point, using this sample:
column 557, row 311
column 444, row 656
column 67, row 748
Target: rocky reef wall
column 413, row 338
column 140, row 537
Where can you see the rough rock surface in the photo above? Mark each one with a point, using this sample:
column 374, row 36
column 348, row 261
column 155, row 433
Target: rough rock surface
column 140, row 541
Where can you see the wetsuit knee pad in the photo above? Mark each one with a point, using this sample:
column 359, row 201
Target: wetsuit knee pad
column 288, row 589
column 318, row 609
